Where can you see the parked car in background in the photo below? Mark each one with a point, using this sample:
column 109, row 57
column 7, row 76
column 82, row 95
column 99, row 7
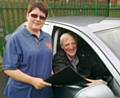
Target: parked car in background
column 98, row 37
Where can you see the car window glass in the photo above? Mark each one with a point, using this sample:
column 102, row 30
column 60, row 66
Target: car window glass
column 111, row 38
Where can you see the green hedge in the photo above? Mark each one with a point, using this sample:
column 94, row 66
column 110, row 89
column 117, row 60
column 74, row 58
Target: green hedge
column 1, row 46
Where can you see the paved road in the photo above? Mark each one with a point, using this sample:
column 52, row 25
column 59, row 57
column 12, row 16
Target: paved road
column 3, row 80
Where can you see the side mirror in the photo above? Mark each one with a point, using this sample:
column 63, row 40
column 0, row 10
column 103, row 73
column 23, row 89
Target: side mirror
column 98, row 91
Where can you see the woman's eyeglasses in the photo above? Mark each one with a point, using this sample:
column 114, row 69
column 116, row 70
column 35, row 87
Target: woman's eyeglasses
column 36, row 16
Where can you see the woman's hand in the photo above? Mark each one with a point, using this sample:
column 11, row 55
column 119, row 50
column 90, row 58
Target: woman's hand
column 39, row 83
column 95, row 82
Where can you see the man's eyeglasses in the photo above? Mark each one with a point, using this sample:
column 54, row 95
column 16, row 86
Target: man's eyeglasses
column 36, row 16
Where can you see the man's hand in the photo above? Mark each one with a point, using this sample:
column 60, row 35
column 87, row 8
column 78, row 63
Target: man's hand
column 95, row 82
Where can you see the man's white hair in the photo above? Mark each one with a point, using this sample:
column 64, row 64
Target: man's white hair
column 63, row 36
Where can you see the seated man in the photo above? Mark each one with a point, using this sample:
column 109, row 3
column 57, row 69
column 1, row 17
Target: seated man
column 69, row 57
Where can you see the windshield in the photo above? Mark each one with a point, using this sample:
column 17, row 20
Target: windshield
column 111, row 38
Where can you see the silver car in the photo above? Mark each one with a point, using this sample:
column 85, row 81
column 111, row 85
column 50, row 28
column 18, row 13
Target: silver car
column 99, row 36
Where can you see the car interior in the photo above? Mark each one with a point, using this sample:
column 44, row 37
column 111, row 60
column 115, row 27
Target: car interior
column 110, row 90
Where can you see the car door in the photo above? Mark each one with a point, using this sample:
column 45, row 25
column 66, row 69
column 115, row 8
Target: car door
column 47, row 27
column 88, row 49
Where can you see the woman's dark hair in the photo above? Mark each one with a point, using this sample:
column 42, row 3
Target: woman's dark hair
column 38, row 4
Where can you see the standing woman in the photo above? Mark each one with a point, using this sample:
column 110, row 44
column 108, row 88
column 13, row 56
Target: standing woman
column 28, row 57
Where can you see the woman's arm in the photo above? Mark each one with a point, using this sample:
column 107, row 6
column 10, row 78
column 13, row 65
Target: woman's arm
column 18, row 75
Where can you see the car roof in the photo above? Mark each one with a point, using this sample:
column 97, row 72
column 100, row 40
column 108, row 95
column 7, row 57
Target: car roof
column 77, row 20
column 88, row 22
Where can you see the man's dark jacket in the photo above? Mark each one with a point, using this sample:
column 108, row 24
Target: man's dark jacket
column 89, row 66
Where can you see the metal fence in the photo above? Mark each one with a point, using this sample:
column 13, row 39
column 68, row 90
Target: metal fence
column 13, row 12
